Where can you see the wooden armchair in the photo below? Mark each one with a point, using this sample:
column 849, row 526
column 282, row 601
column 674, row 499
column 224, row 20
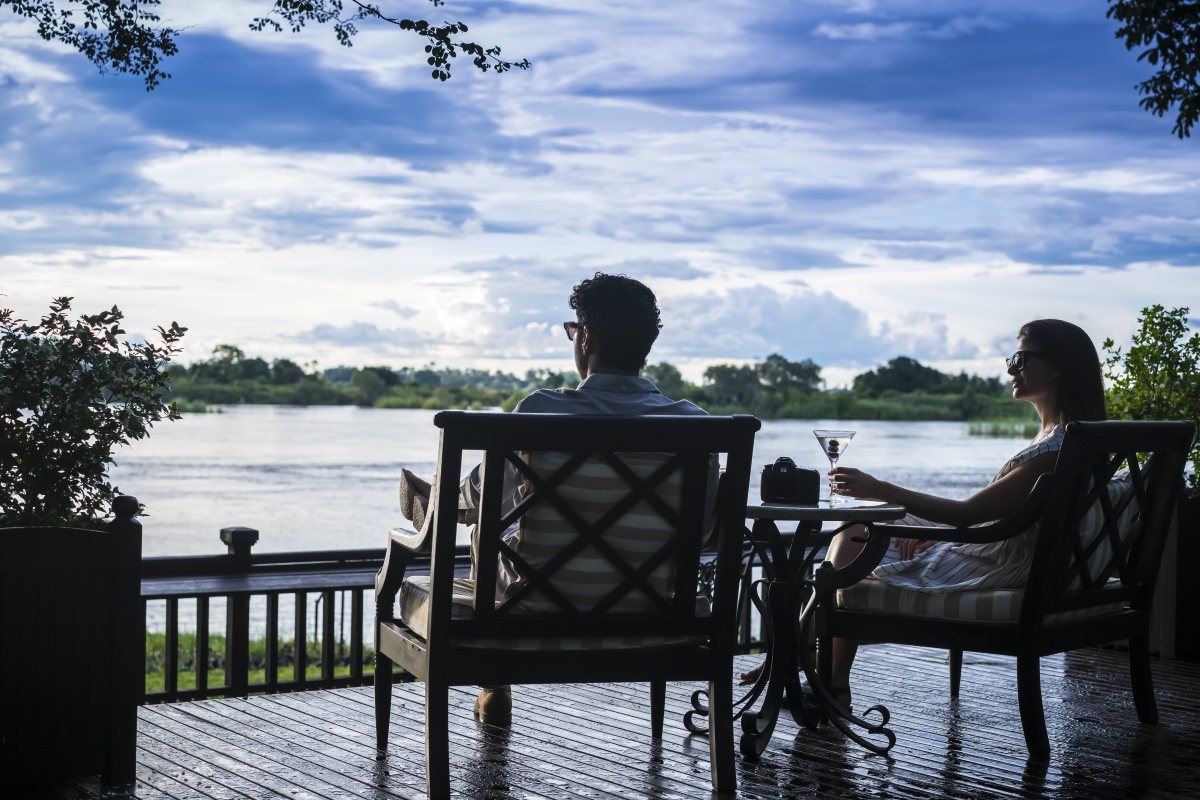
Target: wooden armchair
column 610, row 530
column 1095, row 563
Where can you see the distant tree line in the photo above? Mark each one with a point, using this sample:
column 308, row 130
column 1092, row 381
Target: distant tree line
column 231, row 377
column 901, row 389
column 775, row 387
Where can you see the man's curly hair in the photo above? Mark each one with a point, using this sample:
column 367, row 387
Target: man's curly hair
column 622, row 313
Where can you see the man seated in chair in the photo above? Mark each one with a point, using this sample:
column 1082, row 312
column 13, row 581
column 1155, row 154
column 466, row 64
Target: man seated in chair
column 616, row 324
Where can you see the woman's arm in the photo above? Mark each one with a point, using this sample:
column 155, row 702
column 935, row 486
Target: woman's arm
column 993, row 502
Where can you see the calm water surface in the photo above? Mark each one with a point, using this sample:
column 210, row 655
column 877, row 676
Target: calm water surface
column 322, row 478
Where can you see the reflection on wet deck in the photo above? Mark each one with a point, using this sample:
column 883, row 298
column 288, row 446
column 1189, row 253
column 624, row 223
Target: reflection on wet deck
column 593, row 741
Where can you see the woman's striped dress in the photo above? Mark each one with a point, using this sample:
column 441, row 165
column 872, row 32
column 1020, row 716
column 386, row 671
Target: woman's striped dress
column 949, row 567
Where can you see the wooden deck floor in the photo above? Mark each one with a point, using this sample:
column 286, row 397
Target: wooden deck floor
column 592, row 741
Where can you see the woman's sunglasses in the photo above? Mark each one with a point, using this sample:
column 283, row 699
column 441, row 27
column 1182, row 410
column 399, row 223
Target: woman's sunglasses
column 572, row 328
column 1017, row 360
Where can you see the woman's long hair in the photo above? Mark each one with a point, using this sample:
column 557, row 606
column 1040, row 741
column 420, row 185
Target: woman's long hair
column 1070, row 350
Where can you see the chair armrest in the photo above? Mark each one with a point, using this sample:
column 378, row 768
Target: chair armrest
column 417, row 543
column 1014, row 524
column 829, row 579
column 402, row 547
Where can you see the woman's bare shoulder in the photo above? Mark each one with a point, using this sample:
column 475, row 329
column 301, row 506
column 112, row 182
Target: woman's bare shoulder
column 1036, row 465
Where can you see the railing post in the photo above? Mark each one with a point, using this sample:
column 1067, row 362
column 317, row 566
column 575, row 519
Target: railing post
column 240, row 540
column 171, row 649
column 237, row 614
column 272, row 660
column 356, row 637
column 328, row 639
column 202, row 647
column 237, row 644
column 300, row 640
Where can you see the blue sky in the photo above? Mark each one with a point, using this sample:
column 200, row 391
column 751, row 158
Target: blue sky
column 845, row 181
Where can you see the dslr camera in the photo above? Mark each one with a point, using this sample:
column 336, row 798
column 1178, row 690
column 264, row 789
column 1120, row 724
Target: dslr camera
column 784, row 482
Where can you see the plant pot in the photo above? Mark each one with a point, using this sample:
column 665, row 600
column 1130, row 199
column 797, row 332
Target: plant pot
column 70, row 665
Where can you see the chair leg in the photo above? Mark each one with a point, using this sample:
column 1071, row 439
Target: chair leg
column 825, row 659
column 437, row 741
column 658, row 704
column 955, row 672
column 383, row 698
column 720, row 734
column 1029, row 698
column 1143, row 681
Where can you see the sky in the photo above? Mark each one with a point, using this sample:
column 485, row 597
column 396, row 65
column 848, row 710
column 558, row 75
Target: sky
column 841, row 180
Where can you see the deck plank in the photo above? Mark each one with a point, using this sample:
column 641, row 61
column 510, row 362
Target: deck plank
column 592, row 742
column 546, row 772
column 328, row 777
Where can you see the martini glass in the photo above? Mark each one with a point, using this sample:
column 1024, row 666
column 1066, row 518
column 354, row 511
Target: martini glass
column 834, row 443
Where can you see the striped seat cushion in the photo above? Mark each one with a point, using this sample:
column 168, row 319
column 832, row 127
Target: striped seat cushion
column 987, row 605
column 414, row 613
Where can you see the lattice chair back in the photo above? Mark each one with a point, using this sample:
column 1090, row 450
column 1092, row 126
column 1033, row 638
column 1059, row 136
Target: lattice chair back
column 586, row 558
column 610, row 522
column 1116, row 485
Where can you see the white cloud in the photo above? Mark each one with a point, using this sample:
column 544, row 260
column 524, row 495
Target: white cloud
column 873, row 31
column 774, row 204
column 397, row 309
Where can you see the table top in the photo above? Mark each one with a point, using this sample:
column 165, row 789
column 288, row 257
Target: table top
column 848, row 511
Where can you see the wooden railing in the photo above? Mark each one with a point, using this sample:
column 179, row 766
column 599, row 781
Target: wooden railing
column 335, row 577
column 238, row 577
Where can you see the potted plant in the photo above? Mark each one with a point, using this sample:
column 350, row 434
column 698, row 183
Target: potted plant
column 1159, row 378
column 71, row 391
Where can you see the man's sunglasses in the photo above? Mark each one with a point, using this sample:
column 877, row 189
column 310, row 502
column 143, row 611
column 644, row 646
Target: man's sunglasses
column 572, row 328
column 1017, row 360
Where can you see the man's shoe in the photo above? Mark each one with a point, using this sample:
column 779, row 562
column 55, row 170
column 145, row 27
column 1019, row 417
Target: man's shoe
column 494, row 706
column 413, row 504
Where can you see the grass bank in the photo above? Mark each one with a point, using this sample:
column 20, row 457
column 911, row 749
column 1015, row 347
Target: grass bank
column 913, row 406
column 1006, row 428
column 156, row 658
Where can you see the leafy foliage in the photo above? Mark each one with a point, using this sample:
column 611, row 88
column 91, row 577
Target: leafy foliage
column 231, row 377
column 752, row 384
column 70, row 392
column 732, row 385
column 1159, row 378
column 113, row 34
column 903, row 375
column 122, row 35
column 1170, row 32
column 441, row 44
column 780, row 375
column 667, row 378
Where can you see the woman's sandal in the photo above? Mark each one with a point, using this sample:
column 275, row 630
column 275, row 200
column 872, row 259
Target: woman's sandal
column 842, row 695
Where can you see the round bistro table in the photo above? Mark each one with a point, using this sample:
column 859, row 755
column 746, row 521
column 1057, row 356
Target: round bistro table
column 786, row 598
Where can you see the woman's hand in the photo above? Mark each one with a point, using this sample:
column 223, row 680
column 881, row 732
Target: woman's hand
column 912, row 547
column 853, row 482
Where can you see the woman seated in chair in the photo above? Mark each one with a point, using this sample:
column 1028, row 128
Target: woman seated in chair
column 1057, row 370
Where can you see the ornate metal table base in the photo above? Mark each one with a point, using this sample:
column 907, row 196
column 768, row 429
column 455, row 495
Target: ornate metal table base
column 786, row 599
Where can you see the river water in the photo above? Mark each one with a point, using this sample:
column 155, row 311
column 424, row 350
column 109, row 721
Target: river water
column 326, row 477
